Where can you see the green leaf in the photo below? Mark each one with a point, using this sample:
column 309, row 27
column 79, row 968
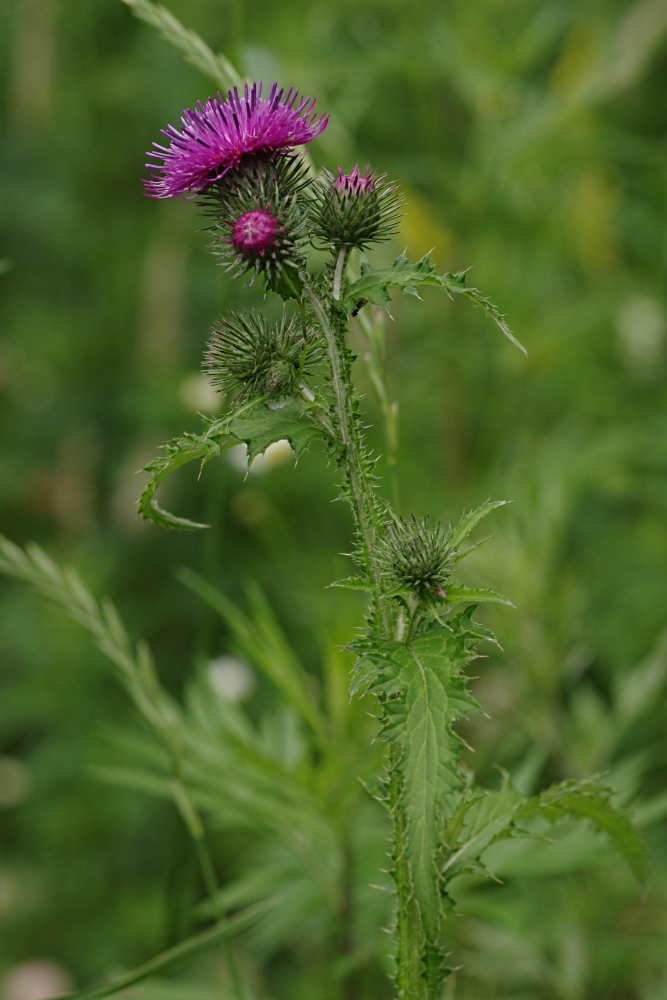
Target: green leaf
column 423, row 692
column 262, row 426
column 457, row 594
column 471, row 520
column 353, row 583
column 255, row 425
column 592, row 800
column 483, row 818
column 373, row 286
column 181, row 953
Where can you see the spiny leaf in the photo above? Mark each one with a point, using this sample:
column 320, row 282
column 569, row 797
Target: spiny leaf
column 592, row 800
column 457, row 594
column 184, row 952
column 483, row 818
column 373, row 286
column 423, row 692
column 471, row 519
column 256, row 426
column 195, row 50
column 354, row 583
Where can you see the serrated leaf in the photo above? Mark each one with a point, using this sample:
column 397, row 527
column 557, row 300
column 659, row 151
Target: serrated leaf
column 353, row 583
column 184, row 952
column 483, row 818
column 373, row 286
column 256, row 426
column 471, row 520
column 592, row 800
column 457, row 594
column 263, row 426
column 423, row 692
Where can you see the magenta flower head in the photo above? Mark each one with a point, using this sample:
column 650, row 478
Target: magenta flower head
column 218, row 135
column 355, row 210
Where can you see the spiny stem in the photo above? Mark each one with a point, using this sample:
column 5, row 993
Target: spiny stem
column 360, row 488
column 410, row 982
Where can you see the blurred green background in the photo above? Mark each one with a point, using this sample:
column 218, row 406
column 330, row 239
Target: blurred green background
column 531, row 141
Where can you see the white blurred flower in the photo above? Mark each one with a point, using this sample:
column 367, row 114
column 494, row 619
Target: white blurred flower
column 232, row 678
column 39, row 979
column 641, row 326
column 196, row 393
column 14, row 782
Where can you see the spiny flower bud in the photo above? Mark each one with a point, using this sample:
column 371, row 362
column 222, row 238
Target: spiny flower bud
column 413, row 555
column 259, row 212
column 256, row 358
column 354, row 210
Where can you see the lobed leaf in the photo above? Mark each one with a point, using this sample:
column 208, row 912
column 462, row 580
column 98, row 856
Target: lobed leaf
column 457, row 594
column 471, row 520
column 483, row 818
column 591, row 800
column 257, row 426
column 374, row 284
column 423, row 692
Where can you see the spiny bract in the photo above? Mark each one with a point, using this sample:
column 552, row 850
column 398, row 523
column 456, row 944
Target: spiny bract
column 255, row 358
column 268, row 189
column 354, row 210
column 414, row 555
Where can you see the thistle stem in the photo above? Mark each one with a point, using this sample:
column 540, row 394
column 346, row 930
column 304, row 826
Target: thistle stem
column 410, row 982
column 360, row 489
column 338, row 273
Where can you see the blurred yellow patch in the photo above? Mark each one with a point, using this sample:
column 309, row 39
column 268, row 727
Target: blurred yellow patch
column 420, row 232
column 581, row 61
column 590, row 219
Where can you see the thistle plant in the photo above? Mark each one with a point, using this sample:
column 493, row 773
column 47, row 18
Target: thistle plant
column 239, row 157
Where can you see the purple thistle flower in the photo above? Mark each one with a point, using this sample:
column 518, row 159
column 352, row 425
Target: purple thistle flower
column 218, row 134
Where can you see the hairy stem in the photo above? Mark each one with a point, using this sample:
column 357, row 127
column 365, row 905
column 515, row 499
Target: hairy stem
column 338, row 273
column 410, row 981
column 360, row 488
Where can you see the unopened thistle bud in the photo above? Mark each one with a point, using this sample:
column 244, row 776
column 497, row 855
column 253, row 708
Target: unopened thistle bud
column 353, row 211
column 259, row 212
column 415, row 555
column 255, row 358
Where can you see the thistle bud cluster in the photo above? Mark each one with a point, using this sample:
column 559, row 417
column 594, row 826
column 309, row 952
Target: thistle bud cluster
column 239, row 156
